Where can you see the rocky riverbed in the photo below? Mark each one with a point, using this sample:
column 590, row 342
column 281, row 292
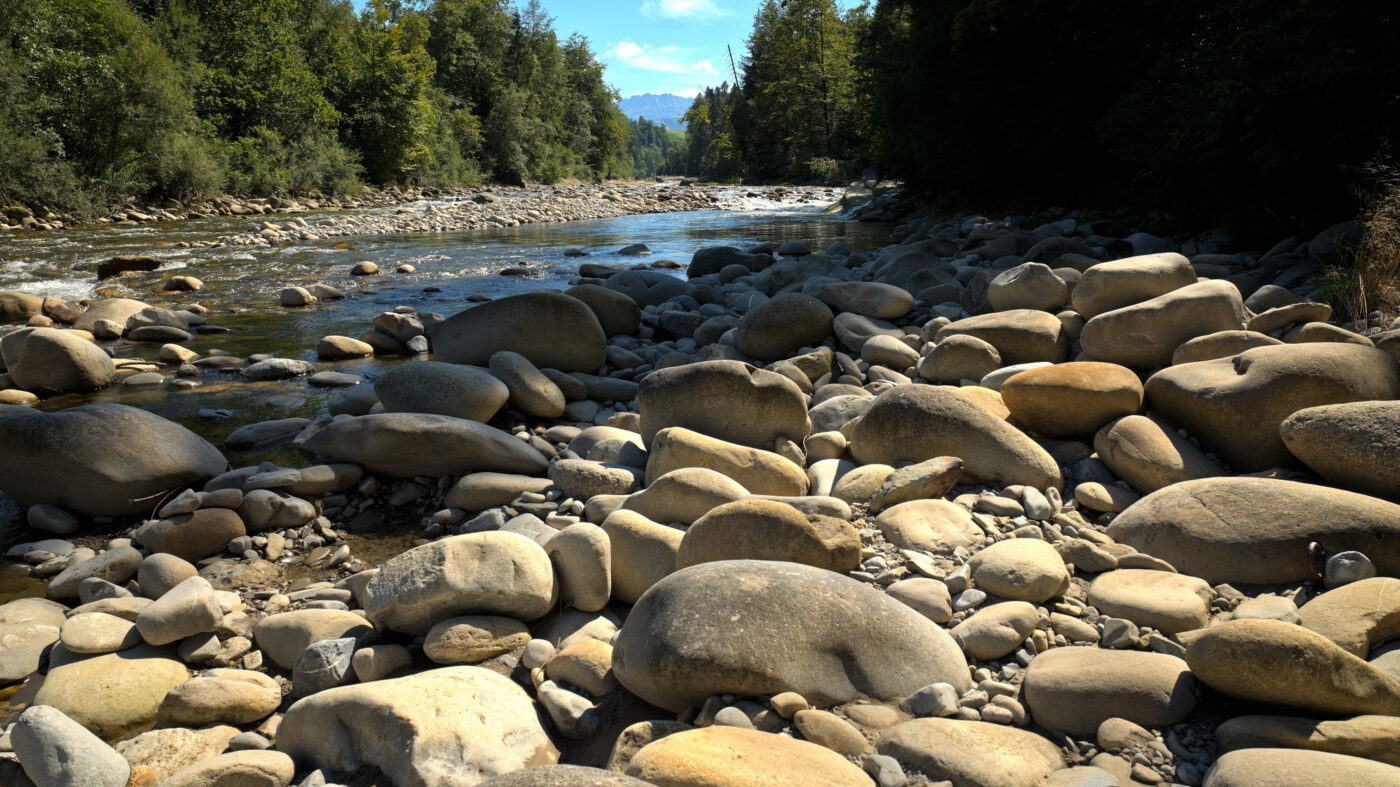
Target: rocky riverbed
column 1018, row 501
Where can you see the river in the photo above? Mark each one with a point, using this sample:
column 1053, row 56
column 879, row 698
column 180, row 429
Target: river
column 242, row 286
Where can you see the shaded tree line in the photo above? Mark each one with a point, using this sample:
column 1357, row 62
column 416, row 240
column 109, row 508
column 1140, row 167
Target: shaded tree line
column 1253, row 111
column 105, row 98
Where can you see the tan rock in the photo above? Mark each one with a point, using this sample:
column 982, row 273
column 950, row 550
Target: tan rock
column 113, row 694
column 471, row 639
column 726, row 400
column 1112, row 285
column 1144, row 335
column 1296, row 768
column 937, row 526
column 1027, row 569
column 643, row 552
column 683, row 496
column 1072, row 399
column 732, row 757
column 1149, row 455
column 1357, row 616
column 1220, row 345
column 1354, row 445
column 1019, row 336
column 1236, row 405
column 1170, row 603
column 972, row 753
column 1076, row 689
column 764, row 530
column 760, row 472
column 1372, row 737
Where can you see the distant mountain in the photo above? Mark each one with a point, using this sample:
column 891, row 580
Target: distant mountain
column 664, row 108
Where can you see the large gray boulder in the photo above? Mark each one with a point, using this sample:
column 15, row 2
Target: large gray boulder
column 713, row 259
column 725, row 399
column 99, row 459
column 778, row 326
column 404, row 445
column 754, row 627
column 1257, row 530
column 440, row 728
column 441, row 389
column 492, row 573
column 54, row 750
column 551, row 329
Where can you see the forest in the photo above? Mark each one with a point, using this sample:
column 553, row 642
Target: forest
column 1250, row 110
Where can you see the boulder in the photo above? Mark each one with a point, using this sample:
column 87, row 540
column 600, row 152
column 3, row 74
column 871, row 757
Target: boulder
column 56, row 361
column 116, row 310
column 971, row 753
column 733, row 757
column 913, row 423
column 1354, row 445
column 339, row 348
column 616, row 312
column 1237, row 405
column 1030, row 285
column 1027, row 569
column 164, row 752
column 251, row 767
column 683, row 496
column 1257, row 530
column 549, row 328
column 440, row 728
column 1296, row 768
column 959, row 357
column 491, row 573
column 18, row 307
column 782, row 324
column 114, row 694
column 1372, row 737
column 1020, row 335
column 764, row 530
column 1150, row 456
column 443, row 389
column 1222, row 344
column 643, row 552
column 839, row 638
column 221, row 696
column 1279, row 663
column 563, row 776
column 285, row 635
column 1112, row 285
column 56, row 751
column 404, row 445
column 531, row 392
column 1170, row 603
column 1072, row 399
column 28, row 626
column 1074, row 690
column 99, row 459
column 1144, row 335
column 868, row 298
column 582, row 557
column 189, row 608
column 1357, row 616
column 728, row 400
column 193, row 536
column 760, row 472
column 937, row 526
column 995, row 631
column 647, row 288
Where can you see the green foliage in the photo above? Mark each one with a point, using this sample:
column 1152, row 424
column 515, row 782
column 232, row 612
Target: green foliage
column 109, row 98
column 650, row 145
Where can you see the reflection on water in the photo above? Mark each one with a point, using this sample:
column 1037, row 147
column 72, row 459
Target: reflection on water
column 242, row 284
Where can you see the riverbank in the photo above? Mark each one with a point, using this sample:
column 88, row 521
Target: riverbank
column 985, row 498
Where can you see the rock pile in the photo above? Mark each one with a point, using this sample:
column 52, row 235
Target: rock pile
column 993, row 505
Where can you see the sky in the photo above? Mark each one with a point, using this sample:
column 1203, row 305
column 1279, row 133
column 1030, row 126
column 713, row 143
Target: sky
column 661, row 46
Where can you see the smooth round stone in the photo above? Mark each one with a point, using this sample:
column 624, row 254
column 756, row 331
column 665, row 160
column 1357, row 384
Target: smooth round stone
column 1072, row 399
column 338, row 348
column 283, row 636
column 1076, row 689
column 1344, row 568
column 97, row 632
column 997, row 630
column 221, row 696
column 764, row 530
column 436, row 388
column 188, row 608
column 723, row 755
column 474, row 638
column 1027, row 569
column 582, row 555
column 1296, row 768
column 55, row 750
column 929, row 597
column 971, row 753
column 253, row 768
column 1353, row 445
column 959, row 357
column 113, row 694
column 1170, row 603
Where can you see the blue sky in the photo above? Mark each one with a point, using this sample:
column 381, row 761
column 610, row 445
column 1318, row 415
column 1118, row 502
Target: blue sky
column 661, row 46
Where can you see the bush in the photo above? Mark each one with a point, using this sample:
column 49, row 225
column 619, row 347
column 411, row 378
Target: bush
column 188, row 164
column 1368, row 281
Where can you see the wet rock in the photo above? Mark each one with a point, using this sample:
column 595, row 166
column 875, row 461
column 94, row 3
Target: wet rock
column 549, row 328
column 404, row 445
column 442, row 389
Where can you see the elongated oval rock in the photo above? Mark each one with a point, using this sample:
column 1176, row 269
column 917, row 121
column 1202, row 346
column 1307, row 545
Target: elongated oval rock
column 1285, row 664
column 404, row 445
column 551, row 329
column 760, row 472
column 1113, row 285
column 1355, row 445
column 715, row 628
column 1144, row 335
column 912, row 423
column 492, row 573
column 727, row 400
column 1296, row 768
column 1076, row 689
column 1257, row 530
column 972, row 753
column 99, row 459
column 720, row 755
column 443, row 389
column 1236, row 405
column 1019, row 336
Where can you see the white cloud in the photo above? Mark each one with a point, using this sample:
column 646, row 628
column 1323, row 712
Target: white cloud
column 687, row 92
column 669, row 59
column 682, row 9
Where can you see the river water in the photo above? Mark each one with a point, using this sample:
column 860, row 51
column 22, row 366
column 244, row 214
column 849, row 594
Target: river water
column 242, row 285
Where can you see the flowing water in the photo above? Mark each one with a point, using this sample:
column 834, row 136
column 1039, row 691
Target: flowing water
column 242, row 284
